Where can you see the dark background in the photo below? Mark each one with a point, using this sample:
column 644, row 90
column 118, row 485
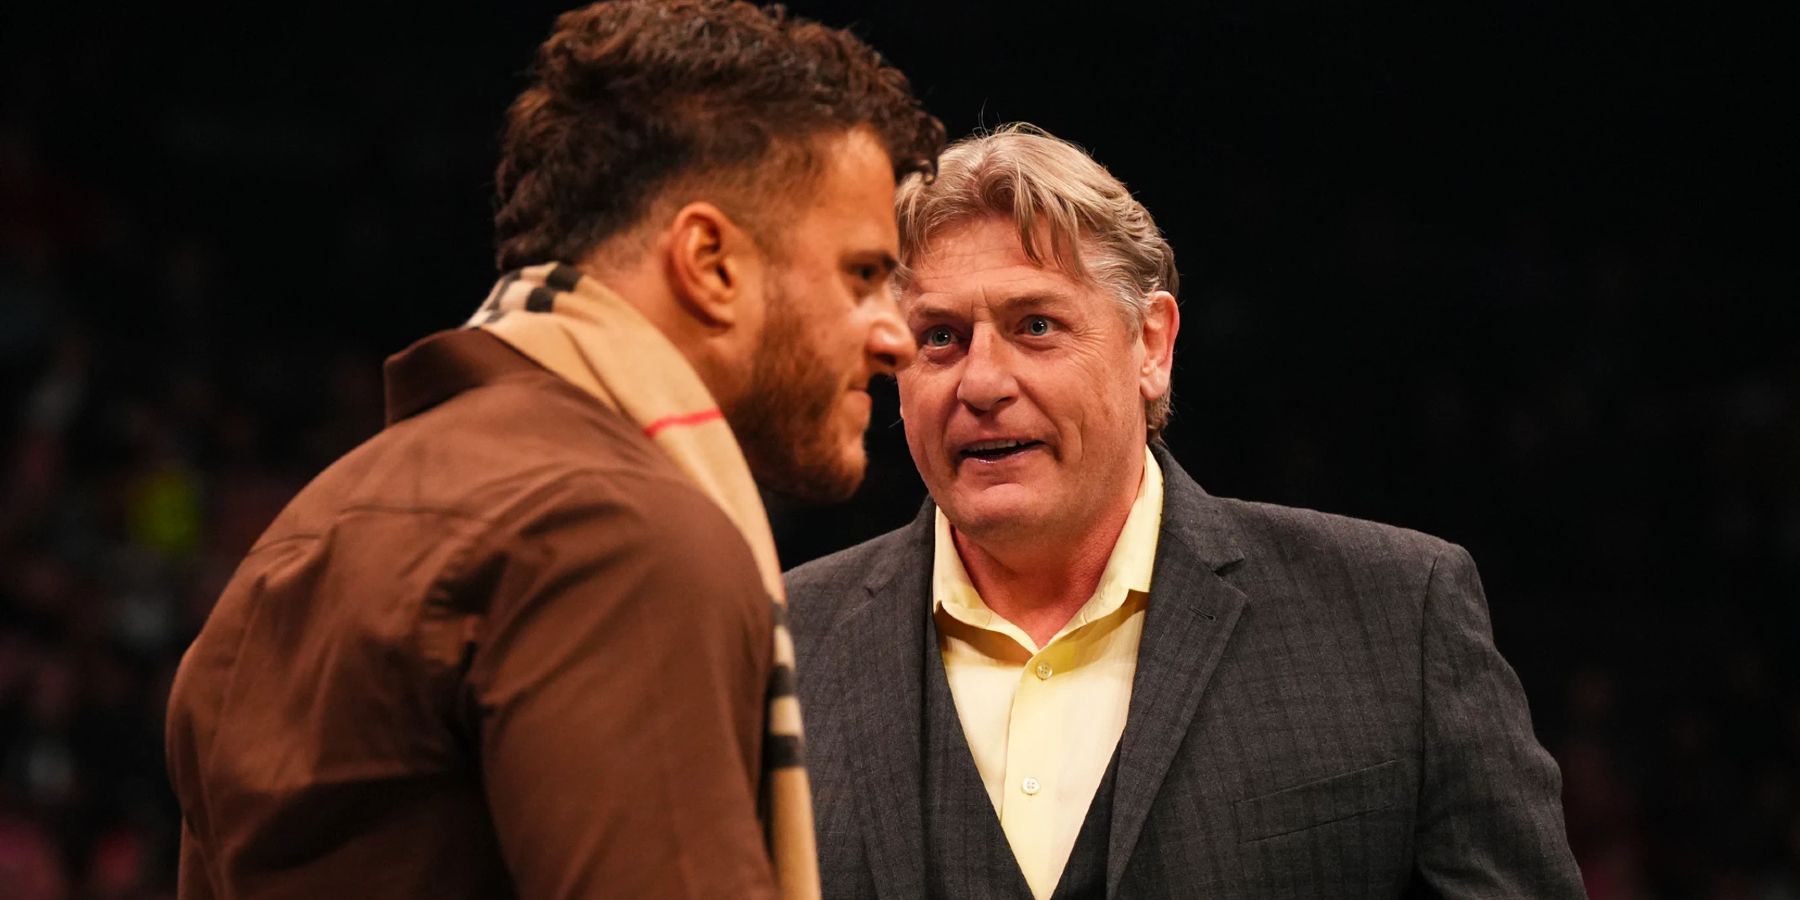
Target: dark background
column 1519, row 275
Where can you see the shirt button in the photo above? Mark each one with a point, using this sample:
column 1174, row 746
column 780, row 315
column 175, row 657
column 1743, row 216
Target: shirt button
column 1030, row 786
column 1044, row 671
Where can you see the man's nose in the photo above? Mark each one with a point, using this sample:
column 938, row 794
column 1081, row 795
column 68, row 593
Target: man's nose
column 891, row 344
column 987, row 379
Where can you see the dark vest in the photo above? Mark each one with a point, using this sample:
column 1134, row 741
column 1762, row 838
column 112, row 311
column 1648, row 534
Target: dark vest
column 967, row 855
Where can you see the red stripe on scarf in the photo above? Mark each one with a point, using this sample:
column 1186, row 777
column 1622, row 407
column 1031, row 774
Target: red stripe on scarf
column 694, row 418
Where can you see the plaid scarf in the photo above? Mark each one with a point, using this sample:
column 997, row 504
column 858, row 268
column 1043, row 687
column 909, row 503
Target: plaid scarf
column 576, row 328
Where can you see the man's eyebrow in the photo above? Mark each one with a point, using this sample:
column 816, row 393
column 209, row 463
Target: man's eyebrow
column 920, row 308
column 882, row 259
column 917, row 308
column 1033, row 299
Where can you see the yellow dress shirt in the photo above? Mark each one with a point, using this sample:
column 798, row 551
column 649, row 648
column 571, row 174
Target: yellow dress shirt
column 1042, row 722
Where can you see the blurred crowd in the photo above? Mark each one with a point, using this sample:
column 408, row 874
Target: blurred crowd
column 137, row 472
column 1614, row 433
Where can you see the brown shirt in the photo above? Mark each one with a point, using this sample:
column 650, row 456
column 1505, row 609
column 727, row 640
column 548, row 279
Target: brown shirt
column 502, row 649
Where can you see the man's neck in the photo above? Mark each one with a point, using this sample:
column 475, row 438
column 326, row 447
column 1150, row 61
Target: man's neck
column 1038, row 584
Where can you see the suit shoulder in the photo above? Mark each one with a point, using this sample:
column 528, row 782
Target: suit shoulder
column 814, row 587
column 1295, row 534
column 848, row 566
column 1311, row 570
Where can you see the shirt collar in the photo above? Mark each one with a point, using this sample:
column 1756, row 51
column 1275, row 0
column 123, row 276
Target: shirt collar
column 1128, row 569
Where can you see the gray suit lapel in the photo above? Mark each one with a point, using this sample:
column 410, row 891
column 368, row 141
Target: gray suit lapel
column 1189, row 619
column 880, row 663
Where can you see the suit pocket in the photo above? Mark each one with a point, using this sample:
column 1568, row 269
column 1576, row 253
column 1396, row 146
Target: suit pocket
column 1319, row 802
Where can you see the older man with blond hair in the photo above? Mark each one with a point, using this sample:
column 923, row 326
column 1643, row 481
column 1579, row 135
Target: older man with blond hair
column 1076, row 673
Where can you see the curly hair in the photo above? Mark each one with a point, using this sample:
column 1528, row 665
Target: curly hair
column 631, row 99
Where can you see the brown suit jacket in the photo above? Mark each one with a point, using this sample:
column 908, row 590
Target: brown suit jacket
column 504, row 648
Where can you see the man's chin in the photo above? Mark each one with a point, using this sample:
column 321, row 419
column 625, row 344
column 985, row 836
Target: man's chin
column 816, row 481
column 992, row 513
column 834, row 489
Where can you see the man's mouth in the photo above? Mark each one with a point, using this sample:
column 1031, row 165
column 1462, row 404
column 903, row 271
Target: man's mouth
column 993, row 451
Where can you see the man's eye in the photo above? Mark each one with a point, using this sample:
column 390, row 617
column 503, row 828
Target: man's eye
column 938, row 337
column 1038, row 326
column 868, row 273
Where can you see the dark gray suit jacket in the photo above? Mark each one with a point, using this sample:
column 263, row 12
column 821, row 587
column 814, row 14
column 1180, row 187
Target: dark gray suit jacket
column 1319, row 712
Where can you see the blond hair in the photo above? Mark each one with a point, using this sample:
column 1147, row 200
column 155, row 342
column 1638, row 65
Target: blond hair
column 1071, row 213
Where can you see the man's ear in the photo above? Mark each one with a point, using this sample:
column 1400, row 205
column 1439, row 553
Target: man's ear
column 713, row 265
column 1162, row 321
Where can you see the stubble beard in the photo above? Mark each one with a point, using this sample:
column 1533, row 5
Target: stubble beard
column 785, row 423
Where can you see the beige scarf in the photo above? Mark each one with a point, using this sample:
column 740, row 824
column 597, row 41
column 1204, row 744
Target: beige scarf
column 596, row 341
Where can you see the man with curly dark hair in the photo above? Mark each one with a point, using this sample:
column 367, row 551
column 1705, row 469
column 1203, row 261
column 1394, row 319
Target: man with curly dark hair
column 530, row 639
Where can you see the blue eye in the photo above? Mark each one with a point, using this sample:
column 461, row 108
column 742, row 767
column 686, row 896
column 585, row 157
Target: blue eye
column 1037, row 326
column 938, row 337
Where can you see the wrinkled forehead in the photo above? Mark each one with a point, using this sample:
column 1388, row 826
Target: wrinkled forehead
column 988, row 248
